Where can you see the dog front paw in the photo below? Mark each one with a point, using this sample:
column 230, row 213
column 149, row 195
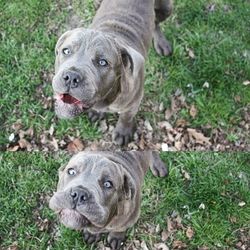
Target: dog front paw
column 122, row 135
column 161, row 44
column 90, row 238
column 116, row 240
column 95, row 116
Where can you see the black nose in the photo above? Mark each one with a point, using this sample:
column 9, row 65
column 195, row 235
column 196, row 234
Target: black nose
column 79, row 195
column 72, row 79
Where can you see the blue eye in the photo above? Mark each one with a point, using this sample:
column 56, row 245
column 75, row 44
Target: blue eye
column 66, row 51
column 108, row 184
column 71, row 171
column 102, row 62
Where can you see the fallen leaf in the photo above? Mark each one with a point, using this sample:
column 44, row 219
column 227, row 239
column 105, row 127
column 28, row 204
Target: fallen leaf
column 241, row 204
column 24, row 144
column 199, row 137
column 11, row 137
column 233, row 219
column 181, row 123
column 165, row 125
column 75, row 146
column 144, row 246
column 161, row 246
column 164, row 147
column 13, row 149
column 51, row 130
column 168, row 113
column 247, row 82
column 185, row 174
column 193, row 111
column 191, row 53
column 205, row 85
column 203, row 248
column 148, row 125
column 103, row 126
column 165, row 235
column 178, row 145
column 189, row 233
column 13, row 246
column 211, row 7
column 177, row 244
column 202, row 206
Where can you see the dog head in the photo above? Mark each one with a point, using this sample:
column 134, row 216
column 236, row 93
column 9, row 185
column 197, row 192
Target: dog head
column 90, row 192
column 91, row 68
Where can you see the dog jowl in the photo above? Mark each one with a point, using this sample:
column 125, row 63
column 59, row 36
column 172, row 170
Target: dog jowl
column 100, row 192
column 101, row 69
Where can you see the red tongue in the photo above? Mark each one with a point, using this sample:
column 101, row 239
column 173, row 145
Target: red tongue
column 69, row 99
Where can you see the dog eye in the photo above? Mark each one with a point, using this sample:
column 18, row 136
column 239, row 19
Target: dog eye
column 71, row 171
column 102, row 62
column 108, row 184
column 66, row 51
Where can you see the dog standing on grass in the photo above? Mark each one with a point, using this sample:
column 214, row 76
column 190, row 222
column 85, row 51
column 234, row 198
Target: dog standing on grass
column 100, row 192
column 101, row 69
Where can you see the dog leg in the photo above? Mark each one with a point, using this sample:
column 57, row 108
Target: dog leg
column 157, row 166
column 124, row 130
column 163, row 9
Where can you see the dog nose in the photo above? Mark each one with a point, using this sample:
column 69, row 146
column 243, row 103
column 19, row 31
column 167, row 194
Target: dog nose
column 80, row 195
column 72, row 79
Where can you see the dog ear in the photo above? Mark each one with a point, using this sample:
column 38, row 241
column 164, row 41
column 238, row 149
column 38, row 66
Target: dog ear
column 128, row 188
column 132, row 66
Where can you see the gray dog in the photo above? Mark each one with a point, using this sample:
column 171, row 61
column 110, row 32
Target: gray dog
column 100, row 192
column 101, row 69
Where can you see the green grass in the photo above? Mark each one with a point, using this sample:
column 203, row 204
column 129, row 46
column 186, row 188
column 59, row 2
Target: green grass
column 219, row 181
column 219, row 39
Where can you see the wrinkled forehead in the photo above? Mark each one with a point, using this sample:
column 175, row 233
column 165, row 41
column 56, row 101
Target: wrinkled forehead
column 92, row 162
column 91, row 40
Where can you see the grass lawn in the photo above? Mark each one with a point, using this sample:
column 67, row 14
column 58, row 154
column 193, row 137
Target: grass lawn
column 204, row 202
column 210, row 41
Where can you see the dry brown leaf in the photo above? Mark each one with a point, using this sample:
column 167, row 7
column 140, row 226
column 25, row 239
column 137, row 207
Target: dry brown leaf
column 13, row 149
column 13, row 246
column 181, row 123
column 165, row 235
column 193, row 111
column 51, row 130
column 177, row 244
column 75, row 146
column 203, row 248
column 165, row 125
column 233, row 219
column 54, row 143
column 199, row 137
column 161, row 246
column 178, row 145
column 168, row 113
column 169, row 225
column 189, row 233
column 144, row 246
column 17, row 125
column 24, row 144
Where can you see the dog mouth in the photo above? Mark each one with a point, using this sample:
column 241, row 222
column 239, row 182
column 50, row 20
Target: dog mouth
column 73, row 219
column 71, row 100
